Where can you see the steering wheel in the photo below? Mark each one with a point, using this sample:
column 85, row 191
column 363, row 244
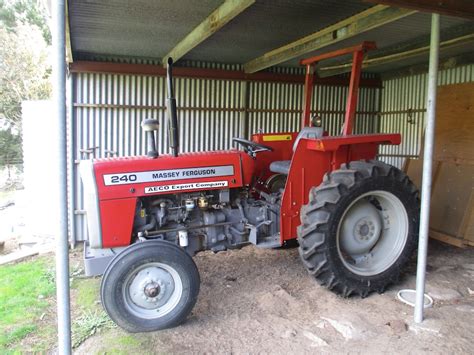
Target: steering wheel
column 252, row 148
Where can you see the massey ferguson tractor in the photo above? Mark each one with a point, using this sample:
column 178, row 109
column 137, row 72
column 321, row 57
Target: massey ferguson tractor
column 355, row 218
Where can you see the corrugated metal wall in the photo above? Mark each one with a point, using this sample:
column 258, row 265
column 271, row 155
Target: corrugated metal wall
column 107, row 110
column 404, row 107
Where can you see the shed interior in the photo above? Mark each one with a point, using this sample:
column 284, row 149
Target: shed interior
column 238, row 71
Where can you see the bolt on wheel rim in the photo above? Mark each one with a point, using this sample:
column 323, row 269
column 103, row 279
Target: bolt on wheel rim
column 152, row 291
column 372, row 233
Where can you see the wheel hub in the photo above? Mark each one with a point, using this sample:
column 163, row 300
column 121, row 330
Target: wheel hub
column 372, row 233
column 364, row 230
column 361, row 228
column 151, row 288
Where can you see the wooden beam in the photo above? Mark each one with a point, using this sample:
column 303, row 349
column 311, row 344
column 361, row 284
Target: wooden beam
column 218, row 74
column 371, row 62
column 459, row 8
column 215, row 21
column 449, row 63
column 367, row 20
column 442, row 237
column 69, row 57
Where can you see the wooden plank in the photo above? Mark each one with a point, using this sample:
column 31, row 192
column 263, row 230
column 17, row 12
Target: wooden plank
column 362, row 22
column 396, row 57
column 452, row 203
column 455, row 123
column 467, row 226
column 450, row 198
column 69, row 57
column 459, row 8
column 214, row 22
column 448, row 63
column 447, row 239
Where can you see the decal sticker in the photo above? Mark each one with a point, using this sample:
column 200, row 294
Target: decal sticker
column 167, row 175
column 190, row 186
column 277, row 138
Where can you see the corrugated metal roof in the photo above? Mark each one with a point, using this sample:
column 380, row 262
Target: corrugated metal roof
column 268, row 24
column 149, row 29
column 138, row 28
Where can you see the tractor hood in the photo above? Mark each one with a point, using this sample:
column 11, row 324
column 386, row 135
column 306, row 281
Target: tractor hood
column 114, row 184
column 141, row 176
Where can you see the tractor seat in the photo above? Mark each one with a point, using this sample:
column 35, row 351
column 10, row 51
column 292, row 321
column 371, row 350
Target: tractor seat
column 283, row 166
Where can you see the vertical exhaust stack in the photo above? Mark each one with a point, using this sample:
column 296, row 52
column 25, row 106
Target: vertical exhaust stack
column 150, row 125
column 173, row 132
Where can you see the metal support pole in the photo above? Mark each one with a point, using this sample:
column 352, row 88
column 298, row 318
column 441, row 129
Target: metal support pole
column 62, row 244
column 427, row 168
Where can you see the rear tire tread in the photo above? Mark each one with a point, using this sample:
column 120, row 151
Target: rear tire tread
column 313, row 232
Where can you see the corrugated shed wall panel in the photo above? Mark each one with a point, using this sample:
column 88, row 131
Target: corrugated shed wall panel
column 404, row 107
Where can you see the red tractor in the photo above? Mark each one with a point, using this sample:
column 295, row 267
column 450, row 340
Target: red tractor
column 355, row 219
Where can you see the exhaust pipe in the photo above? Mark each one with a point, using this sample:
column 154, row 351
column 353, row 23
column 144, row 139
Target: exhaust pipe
column 173, row 132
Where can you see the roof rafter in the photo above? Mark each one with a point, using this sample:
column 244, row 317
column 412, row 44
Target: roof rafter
column 394, row 57
column 459, row 8
column 369, row 19
column 215, row 21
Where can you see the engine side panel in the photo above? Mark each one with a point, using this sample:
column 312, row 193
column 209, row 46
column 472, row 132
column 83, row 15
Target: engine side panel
column 117, row 221
column 120, row 182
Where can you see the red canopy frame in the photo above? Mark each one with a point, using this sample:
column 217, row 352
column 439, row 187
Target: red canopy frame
column 351, row 105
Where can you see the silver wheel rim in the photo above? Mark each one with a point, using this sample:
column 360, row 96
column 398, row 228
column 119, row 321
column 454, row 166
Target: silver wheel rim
column 152, row 291
column 372, row 233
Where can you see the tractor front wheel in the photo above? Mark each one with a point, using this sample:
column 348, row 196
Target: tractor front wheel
column 150, row 286
column 359, row 228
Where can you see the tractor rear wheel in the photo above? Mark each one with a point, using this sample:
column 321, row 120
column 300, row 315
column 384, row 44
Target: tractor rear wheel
column 359, row 228
column 150, row 286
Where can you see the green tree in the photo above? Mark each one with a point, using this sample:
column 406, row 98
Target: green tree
column 10, row 150
column 25, row 12
column 24, row 71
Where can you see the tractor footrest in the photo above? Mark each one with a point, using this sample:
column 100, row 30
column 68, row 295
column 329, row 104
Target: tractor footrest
column 269, row 242
column 97, row 260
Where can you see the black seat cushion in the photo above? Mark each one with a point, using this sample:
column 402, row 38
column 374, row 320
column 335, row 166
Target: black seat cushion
column 280, row 166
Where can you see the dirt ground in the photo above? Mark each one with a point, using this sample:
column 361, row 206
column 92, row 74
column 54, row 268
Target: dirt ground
column 263, row 301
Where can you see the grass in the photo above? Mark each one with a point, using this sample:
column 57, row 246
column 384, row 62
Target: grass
column 24, row 292
column 88, row 324
column 28, row 314
column 87, row 296
column 91, row 317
